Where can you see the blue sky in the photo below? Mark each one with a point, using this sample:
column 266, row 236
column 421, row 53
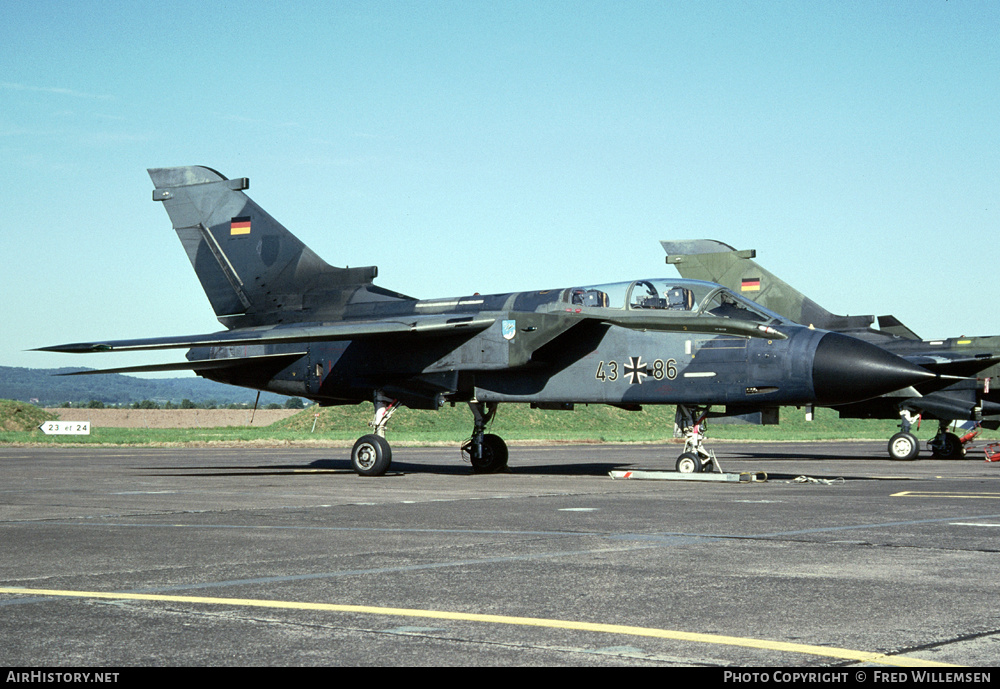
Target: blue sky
column 490, row 147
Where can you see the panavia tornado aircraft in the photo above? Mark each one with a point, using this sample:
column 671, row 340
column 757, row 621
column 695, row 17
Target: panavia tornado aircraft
column 298, row 326
column 967, row 399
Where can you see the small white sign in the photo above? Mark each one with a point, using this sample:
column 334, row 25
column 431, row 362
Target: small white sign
column 66, row 428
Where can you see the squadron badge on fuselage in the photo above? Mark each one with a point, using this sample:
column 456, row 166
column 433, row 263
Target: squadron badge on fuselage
column 509, row 329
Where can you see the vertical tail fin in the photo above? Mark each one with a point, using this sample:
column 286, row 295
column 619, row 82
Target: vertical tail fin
column 253, row 270
column 707, row 259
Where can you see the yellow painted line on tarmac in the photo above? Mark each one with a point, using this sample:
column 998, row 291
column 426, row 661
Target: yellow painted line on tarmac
column 764, row 644
column 945, row 494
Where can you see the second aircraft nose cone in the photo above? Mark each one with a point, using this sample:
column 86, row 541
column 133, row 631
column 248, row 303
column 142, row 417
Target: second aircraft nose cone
column 846, row 369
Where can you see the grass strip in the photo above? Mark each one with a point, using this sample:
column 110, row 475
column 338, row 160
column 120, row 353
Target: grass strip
column 514, row 422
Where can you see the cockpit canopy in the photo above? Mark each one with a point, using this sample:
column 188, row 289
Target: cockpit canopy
column 675, row 296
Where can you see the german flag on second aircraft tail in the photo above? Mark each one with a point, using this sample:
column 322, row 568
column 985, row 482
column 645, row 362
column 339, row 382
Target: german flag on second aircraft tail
column 750, row 285
column 239, row 225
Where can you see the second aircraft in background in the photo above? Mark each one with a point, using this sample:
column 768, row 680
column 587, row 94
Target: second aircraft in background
column 972, row 361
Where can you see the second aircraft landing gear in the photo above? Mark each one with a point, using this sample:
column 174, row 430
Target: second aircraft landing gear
column 487, row 452
column 904, row 446
column 947, row 445
column 944, row 445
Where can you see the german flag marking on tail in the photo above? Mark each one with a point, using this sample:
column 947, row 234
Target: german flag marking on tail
column 238, row 226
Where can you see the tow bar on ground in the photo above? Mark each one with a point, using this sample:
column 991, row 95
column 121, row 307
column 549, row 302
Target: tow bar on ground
column 742, row 477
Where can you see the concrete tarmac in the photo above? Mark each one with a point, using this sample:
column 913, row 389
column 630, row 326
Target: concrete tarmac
column 116, row 557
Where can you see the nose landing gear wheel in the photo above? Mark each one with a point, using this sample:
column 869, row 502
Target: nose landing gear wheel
column 690, row 463
column 903, row 447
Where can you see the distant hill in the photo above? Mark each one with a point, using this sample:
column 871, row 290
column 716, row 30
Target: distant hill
column 29, row 384
column 17, row 416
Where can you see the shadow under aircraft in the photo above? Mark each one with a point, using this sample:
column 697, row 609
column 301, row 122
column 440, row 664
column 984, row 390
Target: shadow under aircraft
column 296, row 325
column 970, row 362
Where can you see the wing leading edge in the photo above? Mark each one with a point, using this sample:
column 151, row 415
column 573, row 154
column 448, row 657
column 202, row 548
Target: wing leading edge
column 262, row 360
column 420, row 325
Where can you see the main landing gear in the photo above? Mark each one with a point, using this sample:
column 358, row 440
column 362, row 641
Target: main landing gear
column 695, row 459
column 947, row 445
column 487, row 452
column 372, row 455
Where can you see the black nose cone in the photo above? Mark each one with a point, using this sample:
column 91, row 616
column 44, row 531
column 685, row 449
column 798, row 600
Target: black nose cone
column 846, row 369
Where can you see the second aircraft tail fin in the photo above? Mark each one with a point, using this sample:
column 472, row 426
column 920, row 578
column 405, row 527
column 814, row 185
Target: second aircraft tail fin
column 708, row 259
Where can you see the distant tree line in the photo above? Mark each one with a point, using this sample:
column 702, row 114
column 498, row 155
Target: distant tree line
column 45, row 388
column 290, row 403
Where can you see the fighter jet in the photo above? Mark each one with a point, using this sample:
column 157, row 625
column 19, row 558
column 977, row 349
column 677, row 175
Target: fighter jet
column 945, row 400
column 299, row 326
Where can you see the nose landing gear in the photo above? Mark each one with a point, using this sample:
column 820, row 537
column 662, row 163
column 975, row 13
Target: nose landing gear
column 904, row 446
column 695, row 459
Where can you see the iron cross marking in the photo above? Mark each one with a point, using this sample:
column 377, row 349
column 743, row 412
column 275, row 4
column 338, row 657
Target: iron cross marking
column 635, row 370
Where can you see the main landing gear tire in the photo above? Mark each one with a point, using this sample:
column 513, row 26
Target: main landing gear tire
column 371, row 455
column 903, row 447
column 690, row 463
column 950, row 448
column 494, row 456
